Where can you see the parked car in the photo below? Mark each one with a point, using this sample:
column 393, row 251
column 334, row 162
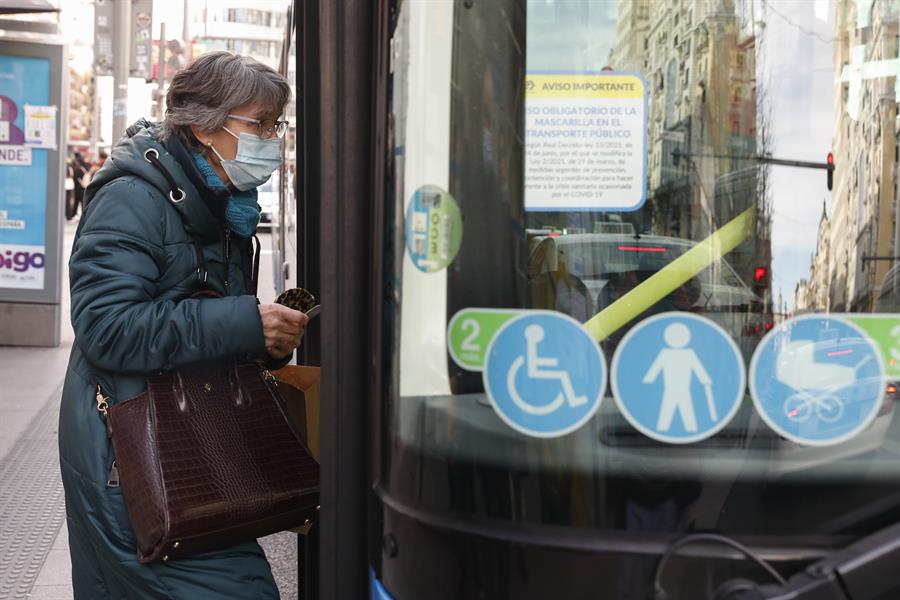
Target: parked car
column 268, row 200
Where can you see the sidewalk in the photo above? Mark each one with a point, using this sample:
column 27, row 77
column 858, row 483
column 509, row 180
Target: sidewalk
column 34, row 554
column 33, row 557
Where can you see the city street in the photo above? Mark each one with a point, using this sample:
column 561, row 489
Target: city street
column 34, row 555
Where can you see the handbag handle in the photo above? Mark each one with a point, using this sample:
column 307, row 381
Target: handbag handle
column 181, row 401
column 236, row 389
column 241, row 400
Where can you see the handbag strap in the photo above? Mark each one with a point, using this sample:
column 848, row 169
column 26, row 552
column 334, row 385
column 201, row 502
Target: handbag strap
column 257, row 251
column 177, row 195
column 202, row 273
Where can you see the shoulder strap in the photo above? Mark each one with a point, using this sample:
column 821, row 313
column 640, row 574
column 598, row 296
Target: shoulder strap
column 255, row 274
column 202, row 273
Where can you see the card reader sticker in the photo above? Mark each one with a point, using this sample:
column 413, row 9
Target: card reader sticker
column 433, row 229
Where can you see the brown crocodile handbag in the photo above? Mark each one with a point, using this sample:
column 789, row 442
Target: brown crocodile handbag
column 207, row 458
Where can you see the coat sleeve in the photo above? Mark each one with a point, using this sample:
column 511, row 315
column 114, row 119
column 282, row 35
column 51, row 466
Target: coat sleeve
column 121, row 322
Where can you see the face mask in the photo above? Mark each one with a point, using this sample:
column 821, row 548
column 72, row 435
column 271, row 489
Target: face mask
column 254, row 163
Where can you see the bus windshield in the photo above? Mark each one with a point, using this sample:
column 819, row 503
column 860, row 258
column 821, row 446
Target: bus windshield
column 642, row 260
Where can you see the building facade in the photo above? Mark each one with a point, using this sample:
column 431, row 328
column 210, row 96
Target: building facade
column 819, row 285
column 249, row 27
column 865, row 234
column 700, row 62
column 801, row 297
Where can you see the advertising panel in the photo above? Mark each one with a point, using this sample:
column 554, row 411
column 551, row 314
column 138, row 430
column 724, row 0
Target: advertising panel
column 24, row 83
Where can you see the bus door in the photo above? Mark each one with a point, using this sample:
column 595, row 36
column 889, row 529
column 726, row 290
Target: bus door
column 633, row 278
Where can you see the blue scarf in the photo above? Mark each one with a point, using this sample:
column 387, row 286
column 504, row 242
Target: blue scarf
column 242, row 210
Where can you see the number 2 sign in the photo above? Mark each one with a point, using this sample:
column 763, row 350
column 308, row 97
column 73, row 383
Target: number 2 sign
column 469, row 333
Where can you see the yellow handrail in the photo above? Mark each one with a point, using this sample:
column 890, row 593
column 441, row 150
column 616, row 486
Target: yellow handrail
column 672, row 276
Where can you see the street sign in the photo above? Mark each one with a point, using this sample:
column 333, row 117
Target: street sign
column 103, row 39
column 141, row 38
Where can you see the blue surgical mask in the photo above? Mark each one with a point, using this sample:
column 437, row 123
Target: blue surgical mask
column 254, row 163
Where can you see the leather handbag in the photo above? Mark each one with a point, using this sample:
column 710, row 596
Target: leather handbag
column 207, row 458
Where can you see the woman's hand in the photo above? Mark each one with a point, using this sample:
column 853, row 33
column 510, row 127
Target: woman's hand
column 283, row 328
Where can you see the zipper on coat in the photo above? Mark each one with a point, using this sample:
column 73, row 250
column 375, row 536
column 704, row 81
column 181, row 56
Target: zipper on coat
column 113, row 479
column 227, row 245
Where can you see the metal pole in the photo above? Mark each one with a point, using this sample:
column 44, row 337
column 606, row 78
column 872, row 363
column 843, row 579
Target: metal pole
column 868, row 258
column 186, row 27
column 95, row 117
column 161, row 74
column 761, row 159
column 122, row 67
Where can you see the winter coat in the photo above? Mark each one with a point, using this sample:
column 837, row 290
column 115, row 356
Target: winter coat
column 133, row 268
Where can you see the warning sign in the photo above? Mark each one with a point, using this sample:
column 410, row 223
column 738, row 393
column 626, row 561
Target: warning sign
column 585, row 141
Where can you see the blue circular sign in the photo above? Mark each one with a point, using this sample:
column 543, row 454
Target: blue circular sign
column 817, row 380
column 544, row 374
column 678, row 378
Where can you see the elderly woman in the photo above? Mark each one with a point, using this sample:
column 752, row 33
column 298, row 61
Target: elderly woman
column 171, row 214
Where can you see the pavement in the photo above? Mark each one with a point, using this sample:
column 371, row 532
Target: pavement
column 34, row 551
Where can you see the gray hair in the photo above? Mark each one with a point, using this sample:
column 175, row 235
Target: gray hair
column 212, row 86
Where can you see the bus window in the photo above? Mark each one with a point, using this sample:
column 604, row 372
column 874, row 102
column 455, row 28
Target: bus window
column 620, row 162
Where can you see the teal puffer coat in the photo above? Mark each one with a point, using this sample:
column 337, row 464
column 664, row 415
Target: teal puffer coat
column 135, row 263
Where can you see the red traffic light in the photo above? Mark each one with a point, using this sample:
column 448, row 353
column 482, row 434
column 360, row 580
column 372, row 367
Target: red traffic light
column 830, row 162
column 759, row 275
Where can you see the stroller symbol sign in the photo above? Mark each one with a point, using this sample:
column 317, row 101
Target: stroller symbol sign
column 817, row 380
column 544, row 374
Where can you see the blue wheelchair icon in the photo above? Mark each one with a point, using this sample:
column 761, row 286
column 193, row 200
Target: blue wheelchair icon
column 544, row 374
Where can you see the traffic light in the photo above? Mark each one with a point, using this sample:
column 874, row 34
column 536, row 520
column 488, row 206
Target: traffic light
column 830, row 161
column 760, row 275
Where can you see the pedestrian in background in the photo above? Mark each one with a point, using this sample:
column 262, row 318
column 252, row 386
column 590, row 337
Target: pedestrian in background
column 93, row 167
column 170, row 214
column 80, row 168
column 70, row 204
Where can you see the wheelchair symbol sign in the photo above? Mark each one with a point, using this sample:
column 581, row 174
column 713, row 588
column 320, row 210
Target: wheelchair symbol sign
column 817, row 380
column 544, row 375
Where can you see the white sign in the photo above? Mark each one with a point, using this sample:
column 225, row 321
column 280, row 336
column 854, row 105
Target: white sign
column 4, row 131
column 40, row 126
column 15, row 155
column 585, row 142
column 22, row 266
column 11, row 223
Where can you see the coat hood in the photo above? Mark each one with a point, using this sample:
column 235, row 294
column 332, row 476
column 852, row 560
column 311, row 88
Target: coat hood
column 202, row 208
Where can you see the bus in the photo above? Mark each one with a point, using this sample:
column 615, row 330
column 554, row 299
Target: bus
column 603, row 300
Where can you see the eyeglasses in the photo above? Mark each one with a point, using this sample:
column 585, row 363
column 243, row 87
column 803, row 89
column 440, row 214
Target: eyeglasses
column 264, row 129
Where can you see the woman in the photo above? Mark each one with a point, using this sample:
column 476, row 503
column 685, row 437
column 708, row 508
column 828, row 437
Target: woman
column 171, row 213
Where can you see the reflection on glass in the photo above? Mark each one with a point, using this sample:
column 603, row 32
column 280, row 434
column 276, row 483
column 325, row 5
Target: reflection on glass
column 745, row 100
column 703, row 140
